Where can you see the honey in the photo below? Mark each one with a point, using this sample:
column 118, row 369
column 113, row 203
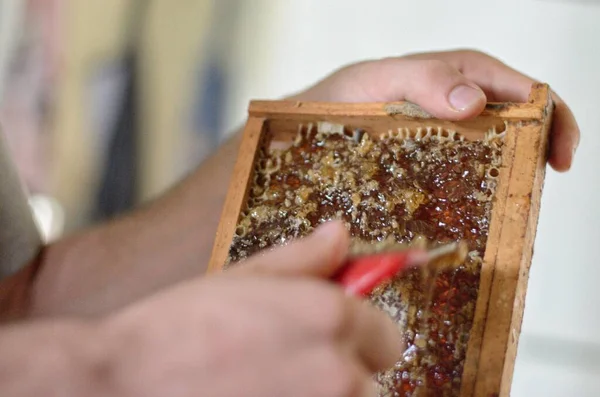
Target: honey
column 428, row 186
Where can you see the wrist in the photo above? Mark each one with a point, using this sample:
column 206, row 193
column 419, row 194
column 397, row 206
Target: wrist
column 52, row 358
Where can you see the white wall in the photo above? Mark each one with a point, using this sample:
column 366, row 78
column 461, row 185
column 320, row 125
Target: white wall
column 285, row 45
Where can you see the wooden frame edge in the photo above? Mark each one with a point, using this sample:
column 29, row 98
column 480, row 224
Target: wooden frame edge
column 505, row 301
column 397, row 110
column 472, row 359
column 543, row 95
column 237, row 192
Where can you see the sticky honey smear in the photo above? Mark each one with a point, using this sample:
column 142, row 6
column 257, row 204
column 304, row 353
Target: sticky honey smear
column 426, row 187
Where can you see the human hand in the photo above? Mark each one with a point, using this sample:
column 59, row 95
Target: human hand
column 452, row 85
column 272, row 326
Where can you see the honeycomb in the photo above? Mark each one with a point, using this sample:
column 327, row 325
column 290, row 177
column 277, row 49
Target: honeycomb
column 426, row 186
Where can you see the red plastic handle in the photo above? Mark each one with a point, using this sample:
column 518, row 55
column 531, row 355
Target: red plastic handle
column 362, row 275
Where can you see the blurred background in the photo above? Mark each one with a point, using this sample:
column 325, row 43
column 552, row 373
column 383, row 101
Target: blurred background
column 108, row 103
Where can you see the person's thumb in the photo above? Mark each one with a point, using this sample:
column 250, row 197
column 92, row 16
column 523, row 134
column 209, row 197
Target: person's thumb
column 319, row 254
column 436, row 86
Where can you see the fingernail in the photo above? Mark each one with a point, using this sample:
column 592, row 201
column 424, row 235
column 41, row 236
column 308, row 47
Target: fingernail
column 463, row 97
column 329, row 231
column 332, row 233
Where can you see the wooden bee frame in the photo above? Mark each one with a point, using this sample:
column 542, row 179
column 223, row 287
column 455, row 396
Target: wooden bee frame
column 491, row 352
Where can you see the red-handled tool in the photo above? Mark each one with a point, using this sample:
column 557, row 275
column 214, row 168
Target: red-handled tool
column 362, row 274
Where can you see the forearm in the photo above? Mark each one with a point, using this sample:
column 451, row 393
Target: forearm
column 51, row 359
column 165, row 242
